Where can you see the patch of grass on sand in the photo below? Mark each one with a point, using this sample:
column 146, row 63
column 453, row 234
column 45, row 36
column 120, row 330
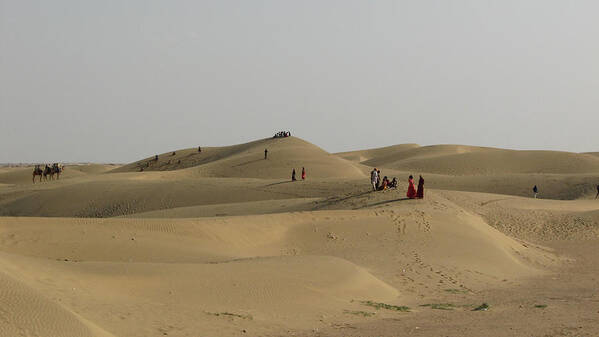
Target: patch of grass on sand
column 457, row 291
column 482, row 307
column 360, row 313
column 228, row 314
column 439, row 306
column 378, row 305
column 541, row 306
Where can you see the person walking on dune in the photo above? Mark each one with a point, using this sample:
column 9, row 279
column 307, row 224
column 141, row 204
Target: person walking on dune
column 535, row 190
column 374, row 178
column 265, row 153
column 411, row 190
column 303, row 173
column 420, row 192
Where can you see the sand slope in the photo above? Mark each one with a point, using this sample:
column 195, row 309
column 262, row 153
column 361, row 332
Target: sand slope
column 247, row 161
column 27, row 312
column 135, row 277
column 365, row 155
column 471, row 160
column 222, row 243
column 119, row 194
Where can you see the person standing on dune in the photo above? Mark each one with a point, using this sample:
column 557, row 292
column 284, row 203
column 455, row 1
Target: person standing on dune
column 411, row 190
column 293, row 175
column 420, row 192
column 535, row 190
column 303, row 173
column 265, row 153
column 374, row 178
column 597, row 192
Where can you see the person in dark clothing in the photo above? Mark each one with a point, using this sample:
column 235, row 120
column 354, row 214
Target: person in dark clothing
column 420, row 191
column 535, row 190
column 265, row 153
column 156, row 157
column 384, row 184
column 378, row 179
column 199, row 149
column 597, row 192
column 293, row 175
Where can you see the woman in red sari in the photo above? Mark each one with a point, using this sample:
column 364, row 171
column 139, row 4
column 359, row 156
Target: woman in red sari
column 303, row 173
column 411, row 190
column 420, row 192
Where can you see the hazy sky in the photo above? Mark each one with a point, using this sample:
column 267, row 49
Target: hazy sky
column 113, row 81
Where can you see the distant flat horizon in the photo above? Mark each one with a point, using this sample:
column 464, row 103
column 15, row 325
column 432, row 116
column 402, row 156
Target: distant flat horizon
column 16, row 164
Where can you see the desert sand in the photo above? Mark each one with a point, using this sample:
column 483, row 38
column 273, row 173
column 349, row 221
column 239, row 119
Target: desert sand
column 223, row 243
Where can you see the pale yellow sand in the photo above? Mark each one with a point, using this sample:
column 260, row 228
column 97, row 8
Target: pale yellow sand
column 223, row 244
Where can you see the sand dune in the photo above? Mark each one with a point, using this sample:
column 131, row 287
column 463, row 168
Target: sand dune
column 122, row 194
column 222, row 243
column 247, row 161
column 534, row 219
column 233, row 208
column 365, row 155
column 28, row 312
column 471, row 160
column 258, row 272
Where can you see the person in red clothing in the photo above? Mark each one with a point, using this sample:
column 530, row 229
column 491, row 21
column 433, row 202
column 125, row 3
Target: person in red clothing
column 420, row 192
column 303, row 173
column 411, row 190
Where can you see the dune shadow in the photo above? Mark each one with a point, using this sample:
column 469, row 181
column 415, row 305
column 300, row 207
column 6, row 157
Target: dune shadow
column 248, row 162
column 351, row 196
column 336, row 200
column 384, row 202
column 279, row 183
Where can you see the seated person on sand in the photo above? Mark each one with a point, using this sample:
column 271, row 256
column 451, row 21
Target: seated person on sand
column 393, row 183
column 384, row 185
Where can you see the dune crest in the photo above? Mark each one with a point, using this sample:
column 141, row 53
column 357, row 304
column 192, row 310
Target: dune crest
column 473, row 160
column 247, row 161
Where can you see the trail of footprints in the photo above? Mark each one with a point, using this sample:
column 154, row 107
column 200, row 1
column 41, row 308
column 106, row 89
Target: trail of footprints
column 416, row 270
column 418, row 217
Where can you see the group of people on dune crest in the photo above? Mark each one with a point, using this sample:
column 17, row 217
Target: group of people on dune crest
column 282, row 134
column 379, row 184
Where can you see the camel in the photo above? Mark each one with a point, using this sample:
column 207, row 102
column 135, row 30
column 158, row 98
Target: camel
column 56, row 169
column 37, row 171
column 48, row 172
